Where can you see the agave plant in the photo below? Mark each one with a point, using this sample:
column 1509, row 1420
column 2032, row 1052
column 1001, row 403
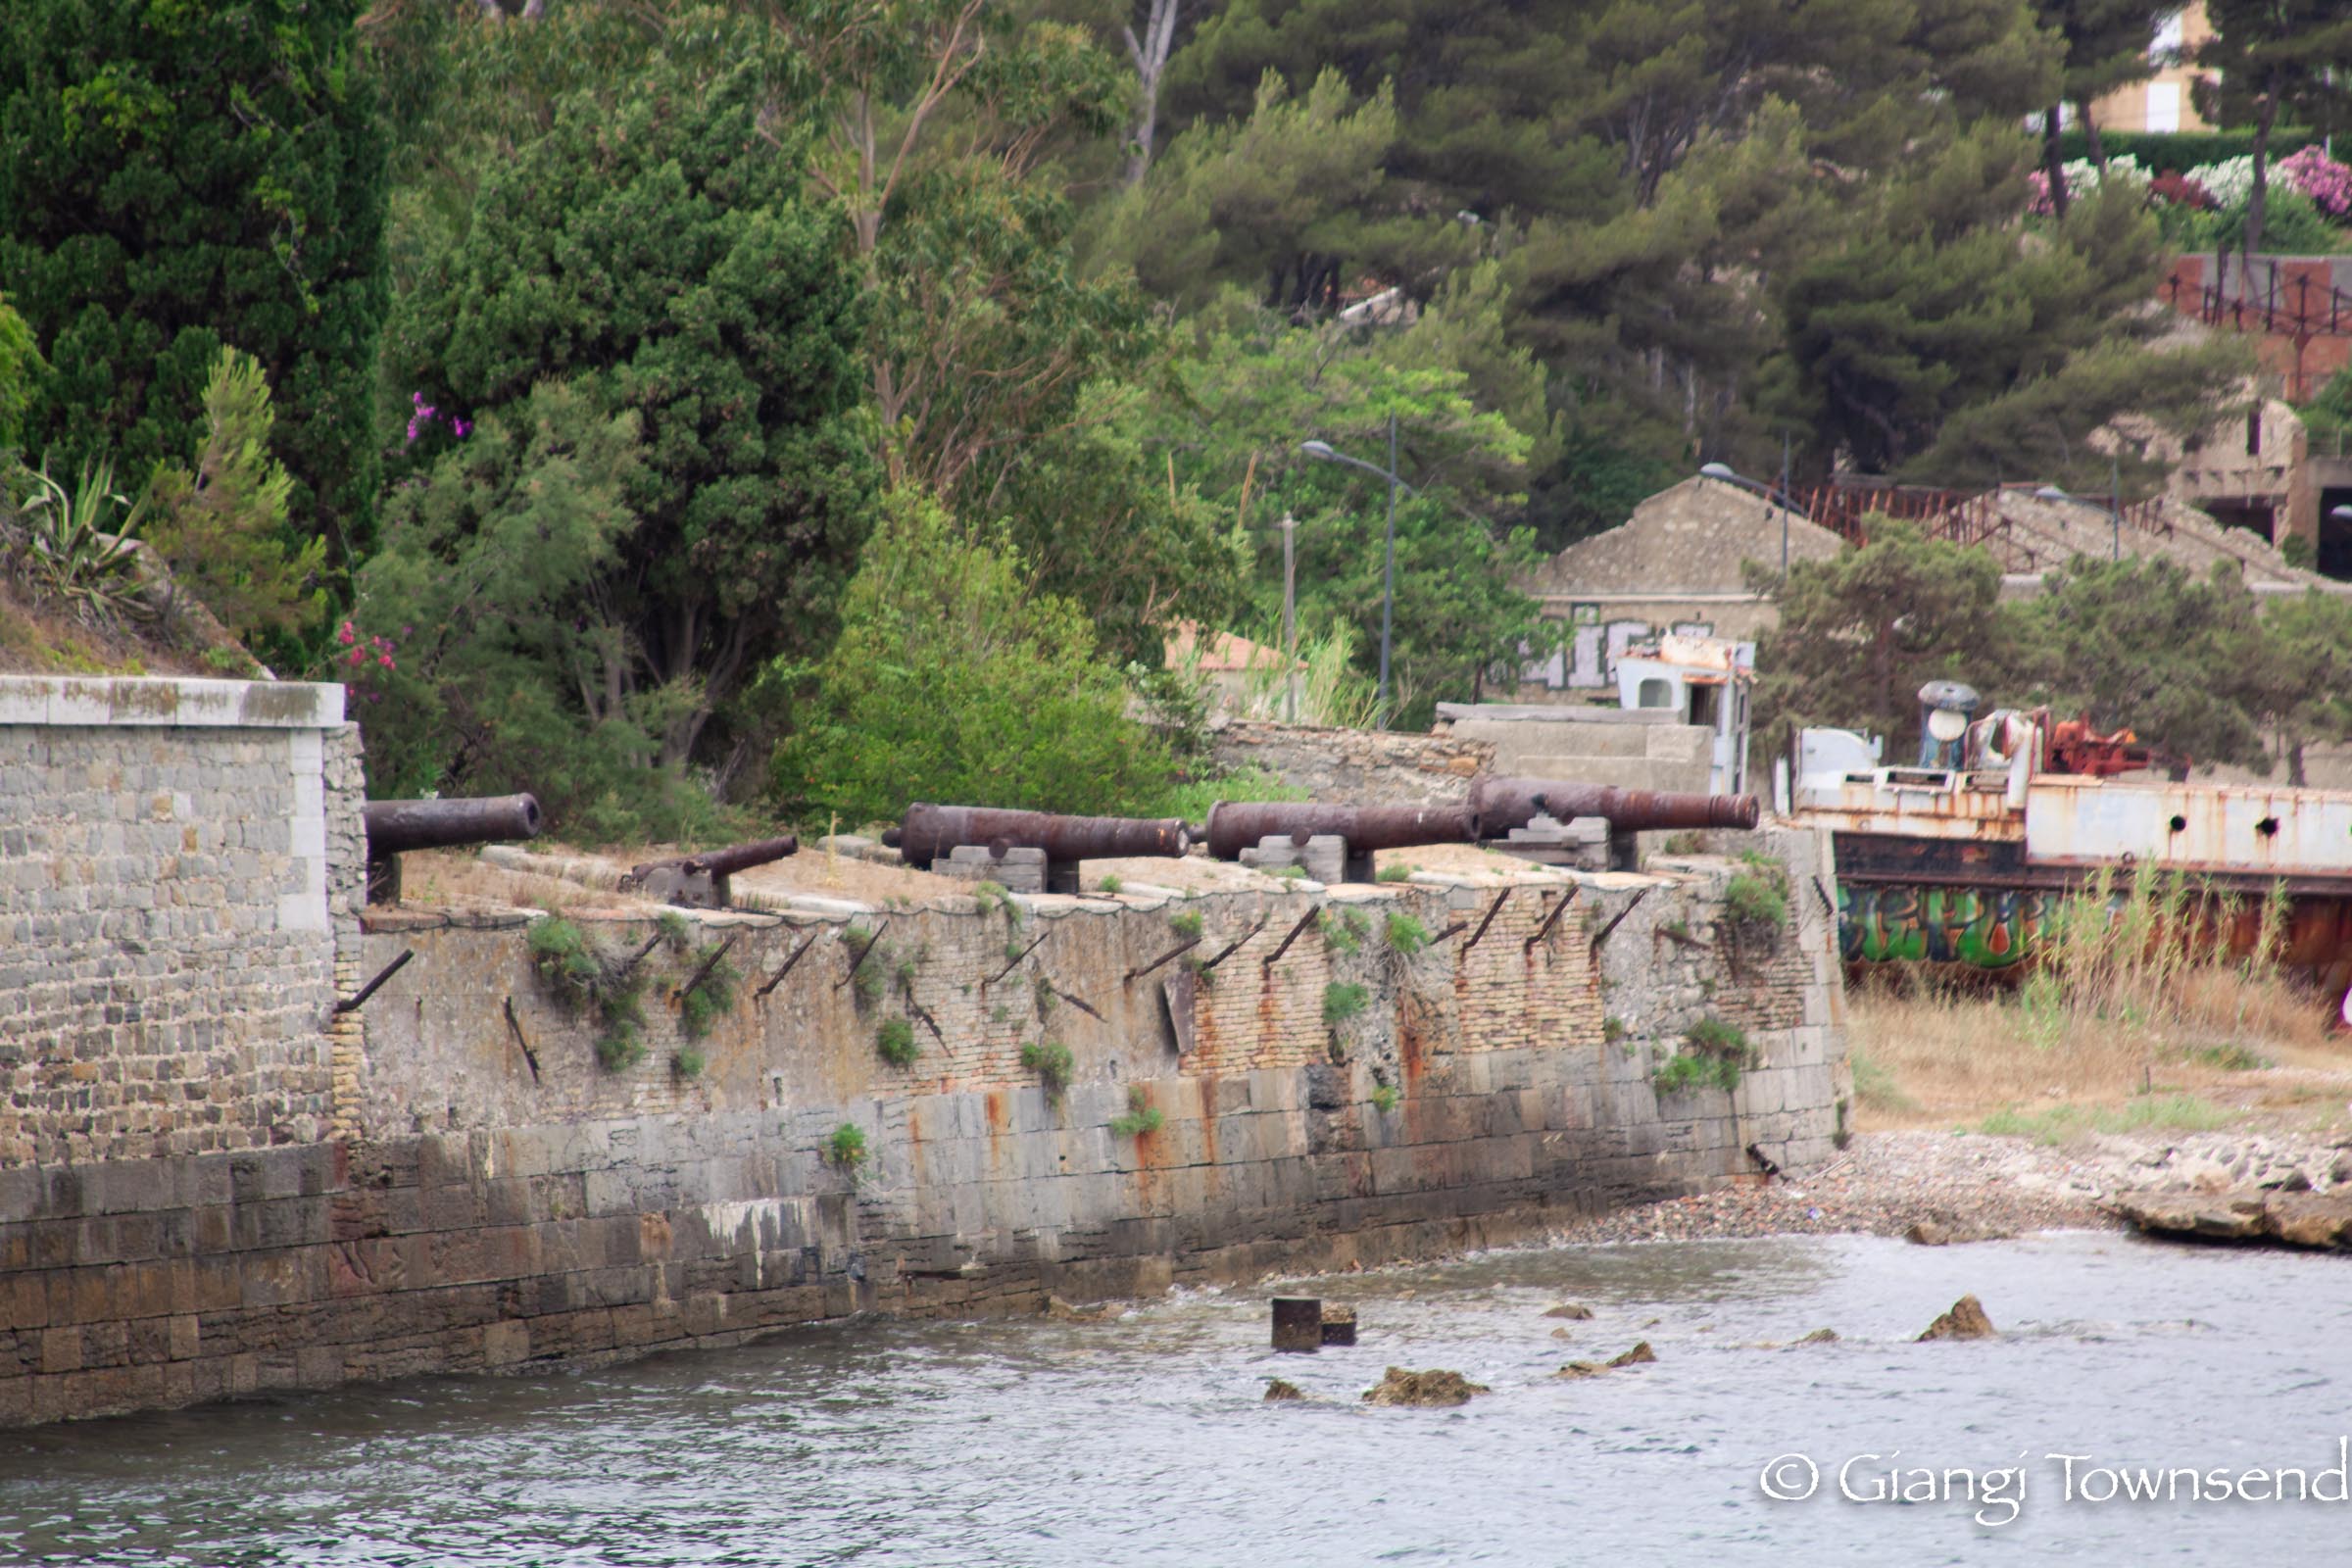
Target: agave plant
column 76, row 546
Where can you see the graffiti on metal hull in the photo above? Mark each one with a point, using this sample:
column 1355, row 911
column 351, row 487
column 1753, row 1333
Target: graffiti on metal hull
column 1987, row 929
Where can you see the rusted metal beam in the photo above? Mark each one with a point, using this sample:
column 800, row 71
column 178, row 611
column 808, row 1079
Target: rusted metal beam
column 1496, row 909
column 929, row 1023
column 1080, row 1002
column 709, row 965
column 531, row 1057
column 354, row 1003
column 1304, row 920
column 1551, row 919
column 799, row 952
column 1133, row 975
column 1503, row 804
column 394, row 827
column 1616, row 921
column 1453, row 930
column 1238, row 825
column 1016, row 962
column 1232, row 947
column 638, row 958
column 863, row 953
column 930, row 832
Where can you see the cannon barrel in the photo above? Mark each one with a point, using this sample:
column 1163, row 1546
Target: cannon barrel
column 929, row 832
column 1238, row 825
column 397, row 825
column 726, row 861
column 1504, row 803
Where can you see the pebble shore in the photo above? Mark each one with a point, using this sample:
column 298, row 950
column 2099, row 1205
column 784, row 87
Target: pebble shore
column 1975, row 1186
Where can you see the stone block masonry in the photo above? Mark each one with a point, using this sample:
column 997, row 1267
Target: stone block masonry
column 464, row 1187
column 174, row 871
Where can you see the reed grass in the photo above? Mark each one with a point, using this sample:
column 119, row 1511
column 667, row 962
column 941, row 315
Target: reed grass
column 2135, row 1016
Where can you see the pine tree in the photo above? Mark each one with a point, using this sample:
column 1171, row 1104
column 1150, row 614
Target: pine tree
column 177, row 178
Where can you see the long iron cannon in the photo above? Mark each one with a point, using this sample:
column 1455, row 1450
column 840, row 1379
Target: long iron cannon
column 932, row 832
column 699, row 881
column 1504, row 803
column 1238, row 825
column 394, row 827
column 397, row 825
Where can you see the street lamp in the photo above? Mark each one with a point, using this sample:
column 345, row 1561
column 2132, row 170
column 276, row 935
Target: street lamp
column 1322, row 451
column 1730, row 475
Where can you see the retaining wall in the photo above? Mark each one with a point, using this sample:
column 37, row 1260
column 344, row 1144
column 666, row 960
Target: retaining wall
column 487, row 1193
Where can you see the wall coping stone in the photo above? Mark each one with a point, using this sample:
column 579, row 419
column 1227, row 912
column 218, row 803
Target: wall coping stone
column 169, row 701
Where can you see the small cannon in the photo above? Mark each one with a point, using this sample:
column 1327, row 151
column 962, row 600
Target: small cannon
column 395, row 826
column 983, row 841
column 1533, row 816
column 699, row 881
column 1285, row 831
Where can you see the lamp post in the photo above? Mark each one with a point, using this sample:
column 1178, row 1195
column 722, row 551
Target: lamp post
column 1322, row 451
column 1730, row 475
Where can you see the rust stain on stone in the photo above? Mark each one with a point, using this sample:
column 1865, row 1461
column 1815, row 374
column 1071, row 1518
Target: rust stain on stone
column 1207, row 1084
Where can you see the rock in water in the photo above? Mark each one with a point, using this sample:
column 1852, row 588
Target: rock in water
column 1571, row 1310
column 1432, row 1388
column 1825, row 1336
column 1636, row 1355
column 1277, row 1390
column 1070, row 1312
column 1965, row 1321
column 1580, row 1369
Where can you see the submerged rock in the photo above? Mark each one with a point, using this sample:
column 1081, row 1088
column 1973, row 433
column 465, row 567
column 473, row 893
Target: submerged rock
column 1580, row 1369
column 1965, row 1321
column 1277, row 1391
column 1068, row 1313
column 1432, row 1387
column 1819, row 1337
column 1636, row 1355
column 1571, row 1310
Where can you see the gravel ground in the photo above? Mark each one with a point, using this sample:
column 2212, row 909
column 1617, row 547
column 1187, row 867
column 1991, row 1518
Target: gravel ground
column 1884, row 1183
column 1974, row 1186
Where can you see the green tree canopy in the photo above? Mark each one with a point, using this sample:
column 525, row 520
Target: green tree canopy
column 177, row 178
column 661, row 258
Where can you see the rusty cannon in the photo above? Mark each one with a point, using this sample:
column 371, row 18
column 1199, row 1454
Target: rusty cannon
column 1535, row 817
column 699, row 881
column 1334, row 843
column 1028, row 851
column 396, row 826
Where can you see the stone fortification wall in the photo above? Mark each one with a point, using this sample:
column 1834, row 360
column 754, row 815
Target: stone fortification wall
column 1365, row 766
column 177, row 858
column 498, row 1198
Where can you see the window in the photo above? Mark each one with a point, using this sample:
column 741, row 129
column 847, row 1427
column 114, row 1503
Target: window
column 2164, row 107
column 1654, row 692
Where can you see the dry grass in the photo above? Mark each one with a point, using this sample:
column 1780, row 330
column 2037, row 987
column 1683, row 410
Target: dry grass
column 1925, row 1057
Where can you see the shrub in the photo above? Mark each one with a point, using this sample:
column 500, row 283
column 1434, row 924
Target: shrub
column 1385, row 1098
column 1718, row 1051
column 712, row 999
column 1041, row 993
column 1053, row 1063
column 585, row 979
column 846, row 1147
column 893, row 1041
column 1759, row 895
column 1395, row 871
column 688, row 1060
column 1405, row 933
column 1342, row 1000
column 1187, row 924
column 1612, row 1028
column 1110, row 884
column 1142, row 1116
column 1684, row 843
column 957, row 678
